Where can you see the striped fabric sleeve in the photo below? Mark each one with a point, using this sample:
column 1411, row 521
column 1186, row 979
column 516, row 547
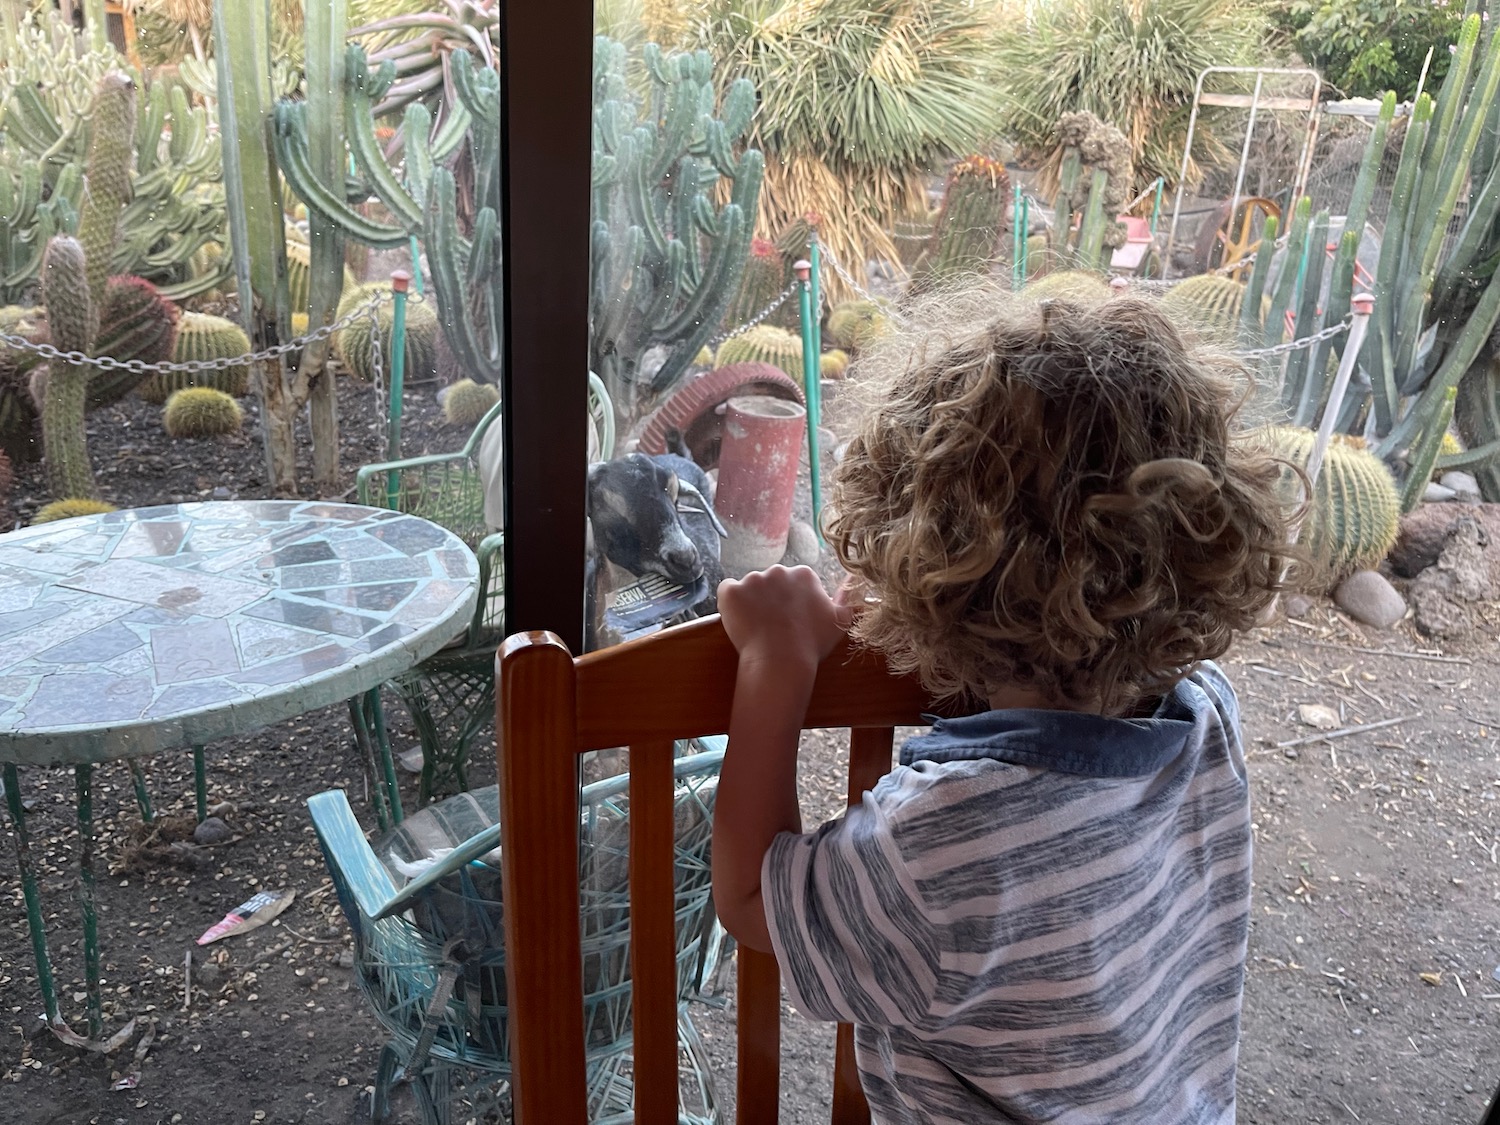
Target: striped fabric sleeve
column 847, row 923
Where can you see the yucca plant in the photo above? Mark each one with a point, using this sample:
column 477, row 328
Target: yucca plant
column 859, row 100
column 1132, row 64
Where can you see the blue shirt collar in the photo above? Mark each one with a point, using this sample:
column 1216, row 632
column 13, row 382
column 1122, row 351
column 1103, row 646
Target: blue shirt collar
column 1066, row 741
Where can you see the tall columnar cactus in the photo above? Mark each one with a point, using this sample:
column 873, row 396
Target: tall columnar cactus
column 764, row 343
column 1093, row 186
column 1355, row 513
column 73, row 323
column 669, row 239
column 766, row 275
column 1210, row 302
column 107, row 177
column 971, row 223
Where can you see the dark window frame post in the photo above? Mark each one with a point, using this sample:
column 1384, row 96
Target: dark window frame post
column 546, row 75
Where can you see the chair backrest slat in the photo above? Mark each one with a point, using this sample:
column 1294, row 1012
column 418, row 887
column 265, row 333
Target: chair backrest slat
column 653, row 946
column 757, row 1085
column 674, row 685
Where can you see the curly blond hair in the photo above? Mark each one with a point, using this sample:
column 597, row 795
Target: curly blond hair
column 1054, row 495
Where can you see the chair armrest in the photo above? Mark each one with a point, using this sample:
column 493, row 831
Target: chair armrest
column 486, row 620
column 345, row 848
column 471, row 849
column 368, row 488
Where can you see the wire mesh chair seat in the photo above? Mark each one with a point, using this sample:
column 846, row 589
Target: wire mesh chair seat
column 425, row 907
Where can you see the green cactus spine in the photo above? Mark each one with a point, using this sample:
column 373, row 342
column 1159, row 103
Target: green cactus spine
column 466, row 402
column 765, row 277
column 107, row 173
column 201, row 412
column 202, row 337
column 972, row 221
column 68, row 509
column 765, row 343
column 136, row 322
column 1355, row 514
column 354, row 342
column 1212, row 303
column 857, row 324
column 73, row 322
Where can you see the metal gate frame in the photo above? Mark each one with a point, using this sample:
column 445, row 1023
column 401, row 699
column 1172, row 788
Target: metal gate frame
column 1310, row 105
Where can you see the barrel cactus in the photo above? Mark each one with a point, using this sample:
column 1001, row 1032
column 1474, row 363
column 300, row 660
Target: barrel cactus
column 202, row 337
column 856, row 324
column 135, row 322
column 466, row 402
column 833, row 365
column 299, row 277
column 1355, row 514
column 201, row 412
column 67, row 509
column 765, row 343
column 354, row 341
column 1209, row 302
column 1069, row 285
column 18, row 409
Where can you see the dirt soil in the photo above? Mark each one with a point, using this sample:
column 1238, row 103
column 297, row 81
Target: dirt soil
column 1372, row 994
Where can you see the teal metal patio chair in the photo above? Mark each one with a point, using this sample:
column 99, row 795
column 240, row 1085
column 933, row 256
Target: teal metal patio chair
column 451, row 696
column 424, row 904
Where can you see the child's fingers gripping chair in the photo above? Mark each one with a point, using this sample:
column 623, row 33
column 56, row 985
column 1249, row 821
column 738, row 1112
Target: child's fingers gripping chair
column 426, row 911
column 450, row 696
column 644, row 694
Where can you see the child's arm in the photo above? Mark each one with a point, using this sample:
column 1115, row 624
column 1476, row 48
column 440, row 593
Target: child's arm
column 783, row 624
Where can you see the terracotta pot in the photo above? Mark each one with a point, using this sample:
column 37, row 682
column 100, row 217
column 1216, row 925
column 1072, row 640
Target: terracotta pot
column 763, row 439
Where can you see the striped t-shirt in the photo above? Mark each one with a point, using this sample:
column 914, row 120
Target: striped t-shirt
column 1038, row 916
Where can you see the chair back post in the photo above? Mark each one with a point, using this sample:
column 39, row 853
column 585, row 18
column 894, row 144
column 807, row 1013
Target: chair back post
column 536, row 735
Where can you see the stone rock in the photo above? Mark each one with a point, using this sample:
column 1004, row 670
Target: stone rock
column 411, row 760
column 1298, row 605
column 1463, row 484
column 1368, row 598
column 802, row 543
column 1424, row 533
column 209, row 974
column 1437, row 494
column 212, row 831
column 1318, row 715
column 1443, row 593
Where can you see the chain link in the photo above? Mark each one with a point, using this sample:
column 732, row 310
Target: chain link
column 776, row 303
column 1298, row 345
column 139, row 367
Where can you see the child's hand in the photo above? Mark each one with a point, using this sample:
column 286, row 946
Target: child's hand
column 783, row 614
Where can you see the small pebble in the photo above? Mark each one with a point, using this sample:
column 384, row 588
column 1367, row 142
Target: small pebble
column 212, row 831
column 346, row 958
column 1291, row 752
column 1437, row 494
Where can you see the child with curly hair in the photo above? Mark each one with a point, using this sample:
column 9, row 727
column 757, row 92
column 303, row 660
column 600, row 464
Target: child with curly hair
column 1041, row 914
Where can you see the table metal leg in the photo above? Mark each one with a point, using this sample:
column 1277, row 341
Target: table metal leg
column 29, row 893
column 200, row 784
column 142, row 794
column 387, row 762
column 82, row 780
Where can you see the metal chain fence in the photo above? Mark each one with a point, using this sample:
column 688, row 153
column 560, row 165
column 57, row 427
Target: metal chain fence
column 776, row 303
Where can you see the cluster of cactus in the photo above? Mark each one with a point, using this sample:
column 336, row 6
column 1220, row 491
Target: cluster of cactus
column 466, row 402
column 765, row 343
column 175, row 201
column 68, row 509
column 1210, row 302
column 833, row 364
column 1355, row 512
column 856, row 324
column 673, row 207
column 971, row 224
column 355, row 341
column 465, row 271
column 1094, row 183
column 765, row 277
column 201, row 412
column 201, row 337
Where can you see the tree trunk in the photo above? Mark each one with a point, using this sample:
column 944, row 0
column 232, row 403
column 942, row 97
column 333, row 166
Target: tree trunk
column 325, row 419
column 278, row 418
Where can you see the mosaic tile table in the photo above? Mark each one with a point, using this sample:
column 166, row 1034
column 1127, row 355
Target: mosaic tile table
column 134, row 632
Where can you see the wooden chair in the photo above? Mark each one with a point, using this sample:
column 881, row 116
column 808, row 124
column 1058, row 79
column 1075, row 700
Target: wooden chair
column 644, row 694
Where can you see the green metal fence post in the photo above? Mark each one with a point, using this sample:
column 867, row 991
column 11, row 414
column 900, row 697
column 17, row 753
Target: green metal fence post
column 1025, row 234
column 810, row 378
column 400, row 281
